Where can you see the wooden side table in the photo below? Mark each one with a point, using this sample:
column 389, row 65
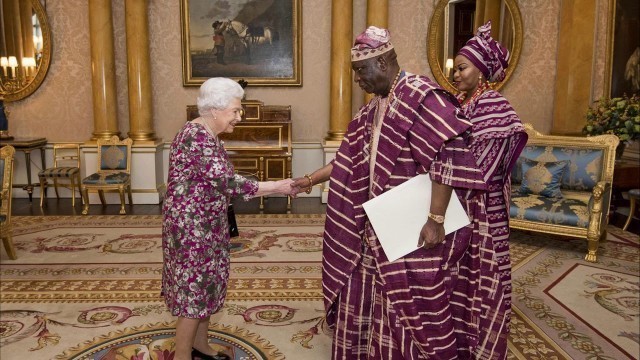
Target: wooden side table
column 26, row 145
column 260, row 145
column 626, row 176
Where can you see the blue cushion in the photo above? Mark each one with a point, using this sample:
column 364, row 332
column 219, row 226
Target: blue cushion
column 104, row 179
column 542, row 178
column 568, row 211
column 585, row 168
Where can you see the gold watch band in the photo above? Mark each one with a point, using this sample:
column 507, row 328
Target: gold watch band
column 308, row 191
column 437, row 218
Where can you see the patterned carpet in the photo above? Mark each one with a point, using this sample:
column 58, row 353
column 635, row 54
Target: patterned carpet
column 88, row 288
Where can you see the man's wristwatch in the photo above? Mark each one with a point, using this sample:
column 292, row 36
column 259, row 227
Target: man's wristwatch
column 437, row 218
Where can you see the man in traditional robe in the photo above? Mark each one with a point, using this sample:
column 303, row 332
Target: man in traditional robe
column 402, row 309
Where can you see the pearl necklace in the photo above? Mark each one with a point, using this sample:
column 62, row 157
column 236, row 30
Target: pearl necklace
column 206, row 126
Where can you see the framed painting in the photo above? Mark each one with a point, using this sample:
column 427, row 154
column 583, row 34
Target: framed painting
column 258, row 41
column 623, row 49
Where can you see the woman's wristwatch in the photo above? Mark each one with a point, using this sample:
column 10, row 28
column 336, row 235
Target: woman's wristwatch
column 437, row 218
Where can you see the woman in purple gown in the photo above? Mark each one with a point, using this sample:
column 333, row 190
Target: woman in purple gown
column 497, row 139
column 195, row 229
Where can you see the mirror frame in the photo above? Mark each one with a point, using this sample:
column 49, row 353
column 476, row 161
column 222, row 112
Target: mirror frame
column 432, row 56
column 45, row 61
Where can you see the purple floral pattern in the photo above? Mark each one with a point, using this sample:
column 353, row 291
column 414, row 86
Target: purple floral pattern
column 195, row 231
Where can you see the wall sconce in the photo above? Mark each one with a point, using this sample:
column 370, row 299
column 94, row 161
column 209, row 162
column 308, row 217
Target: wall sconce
column 20, row 74
column 449, row 66
column 4, row 62
column 28, row 63
column 13, row 64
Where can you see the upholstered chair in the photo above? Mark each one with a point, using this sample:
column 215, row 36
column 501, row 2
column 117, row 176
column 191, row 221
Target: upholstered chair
column 66, row 168
column 6, row 183
column 562, row 185
column 114, row 172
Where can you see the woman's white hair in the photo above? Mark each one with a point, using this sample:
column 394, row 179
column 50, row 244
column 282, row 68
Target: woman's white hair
column 217, row 93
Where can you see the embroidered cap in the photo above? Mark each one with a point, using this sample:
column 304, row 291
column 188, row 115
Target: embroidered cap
column 372, row 42
column 487, row 54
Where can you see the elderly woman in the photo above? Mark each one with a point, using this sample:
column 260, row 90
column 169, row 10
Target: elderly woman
column 497, row 139
column 195, row 231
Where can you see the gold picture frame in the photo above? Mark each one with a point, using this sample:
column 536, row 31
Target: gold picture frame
column 622, row 74
column 258, row 41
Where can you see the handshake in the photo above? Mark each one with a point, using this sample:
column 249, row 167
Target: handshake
column 290, row 187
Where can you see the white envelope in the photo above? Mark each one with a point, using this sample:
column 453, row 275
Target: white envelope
column 398, row 215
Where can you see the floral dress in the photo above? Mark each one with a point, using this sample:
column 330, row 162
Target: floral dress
column 195, row 230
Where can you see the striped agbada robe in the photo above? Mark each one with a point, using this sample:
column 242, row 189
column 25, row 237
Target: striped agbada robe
column 404, row 309
column 497, row 140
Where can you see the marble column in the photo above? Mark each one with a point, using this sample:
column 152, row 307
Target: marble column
column 340, row 80
column 575, row 65
column 377, row 15
column 103, row 72
column 340, row 85
column 138, row 71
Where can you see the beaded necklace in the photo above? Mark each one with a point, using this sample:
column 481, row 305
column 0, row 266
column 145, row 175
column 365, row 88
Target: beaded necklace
column 377, row 124
column 395, row 82
column 384, row 102
column 481, row 89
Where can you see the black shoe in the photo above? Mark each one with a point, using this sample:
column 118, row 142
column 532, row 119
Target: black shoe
column 195, row 354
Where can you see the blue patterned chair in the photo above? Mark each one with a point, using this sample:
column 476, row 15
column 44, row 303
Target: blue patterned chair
column 114, row 172
column 6, row 182
column 66, row 167
column 581, row 207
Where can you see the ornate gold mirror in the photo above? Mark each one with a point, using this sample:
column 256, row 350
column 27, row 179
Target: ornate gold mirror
column 25, row 48
column 455, row 21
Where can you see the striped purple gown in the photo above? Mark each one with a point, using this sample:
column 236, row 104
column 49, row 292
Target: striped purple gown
column 407, row 309
column 497, row 140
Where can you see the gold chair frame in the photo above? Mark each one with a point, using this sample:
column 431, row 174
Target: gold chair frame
column 64, row 153
column 7, row 153
column 601, row 192
column 121, row 188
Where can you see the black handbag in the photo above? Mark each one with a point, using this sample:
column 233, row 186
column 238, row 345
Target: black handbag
column 233, row 225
